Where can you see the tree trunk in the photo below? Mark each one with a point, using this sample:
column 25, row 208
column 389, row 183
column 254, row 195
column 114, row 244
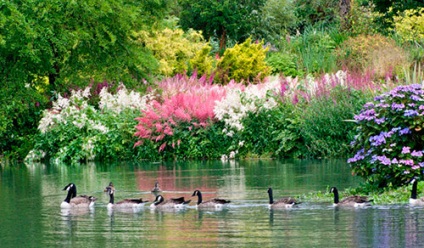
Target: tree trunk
column 345, row 7
column 223, row 40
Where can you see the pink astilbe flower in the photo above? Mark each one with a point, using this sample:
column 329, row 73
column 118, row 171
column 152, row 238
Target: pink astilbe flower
column 185, row 100
column 310, row 88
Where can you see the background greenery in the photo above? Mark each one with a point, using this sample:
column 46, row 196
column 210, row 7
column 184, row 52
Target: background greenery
column 52, row 47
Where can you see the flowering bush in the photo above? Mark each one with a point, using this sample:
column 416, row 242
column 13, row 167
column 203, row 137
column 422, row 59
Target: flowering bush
column 73, row 130
column 389, row 144
column 186, row 107
column 240, row 101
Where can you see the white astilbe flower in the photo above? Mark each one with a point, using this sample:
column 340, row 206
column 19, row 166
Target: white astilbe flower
column 64, row 109
column 122, row 100
column 239, row 103
column 61, row 103
column 88, row 148
column 46, row 121
column 98, row 126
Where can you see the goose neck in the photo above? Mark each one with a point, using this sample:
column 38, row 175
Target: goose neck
column 199, row 197
column 336, row 196
column 271, row 198
column 414, row 190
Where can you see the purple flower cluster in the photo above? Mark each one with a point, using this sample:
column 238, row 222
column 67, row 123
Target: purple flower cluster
column 389, row 134
column 367, row 115
column 360, row 155
column 398, row 106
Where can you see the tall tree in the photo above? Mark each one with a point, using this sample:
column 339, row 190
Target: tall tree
column 74, row 41
column 51, row 45
column 221, row 19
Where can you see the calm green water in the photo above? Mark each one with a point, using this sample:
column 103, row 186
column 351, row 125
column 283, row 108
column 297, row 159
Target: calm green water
column 30, row 216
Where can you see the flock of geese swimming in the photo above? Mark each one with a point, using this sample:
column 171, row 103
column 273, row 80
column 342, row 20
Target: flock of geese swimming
column 85, row 201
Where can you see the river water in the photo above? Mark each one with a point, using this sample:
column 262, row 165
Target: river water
column 30, row 214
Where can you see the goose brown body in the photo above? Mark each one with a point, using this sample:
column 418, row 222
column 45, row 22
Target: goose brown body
column 74, row 201
column 352, row 201
column 285, row 202
column 126, row 203
column 212, row 203
column 413, row 200
column 161, row 203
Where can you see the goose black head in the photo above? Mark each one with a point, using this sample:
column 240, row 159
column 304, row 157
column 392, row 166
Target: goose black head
column 72, row 189
column 333, row 190
column 69, row 187
column 196, row 192
column 110, row 190
column 414, row 179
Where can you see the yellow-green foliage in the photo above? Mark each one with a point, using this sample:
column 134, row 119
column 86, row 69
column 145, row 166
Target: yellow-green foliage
column 202, row 62
column 372, row 53
column 409, row 25
column 173, row 48
column 362, row 18
column 244, row 61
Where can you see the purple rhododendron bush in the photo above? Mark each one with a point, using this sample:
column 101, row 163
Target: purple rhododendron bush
column 390, row 137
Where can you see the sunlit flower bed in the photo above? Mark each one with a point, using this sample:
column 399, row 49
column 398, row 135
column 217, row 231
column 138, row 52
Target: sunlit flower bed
column 185, row 118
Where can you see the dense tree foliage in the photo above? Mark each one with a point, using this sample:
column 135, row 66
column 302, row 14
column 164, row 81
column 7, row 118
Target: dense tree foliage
column 390, row 8
column 278, row 19
column 53, row 45
column 234, row 20
column 316, row 13
column 74, row 41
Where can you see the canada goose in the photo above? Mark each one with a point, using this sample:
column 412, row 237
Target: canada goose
column 286, row 202
column 72, row 200
column 413, row 200
column 213, row 203
column 156, row 189
column 353, row 201
column 126, row 203
column 160, row 202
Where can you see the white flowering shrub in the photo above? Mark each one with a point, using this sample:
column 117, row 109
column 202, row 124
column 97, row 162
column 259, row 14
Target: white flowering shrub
column 244, row 106
column 239, row 102
column 74, row 130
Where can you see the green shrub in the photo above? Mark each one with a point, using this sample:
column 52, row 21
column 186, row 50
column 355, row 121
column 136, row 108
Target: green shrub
column 20, row 110
column 202, row 62
column 273, row 132
column 325, row 128
column 174, row 49
column 315, row 51
column 244, row 61
column 197, row 143
column 283, row 63
column 409, row 24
